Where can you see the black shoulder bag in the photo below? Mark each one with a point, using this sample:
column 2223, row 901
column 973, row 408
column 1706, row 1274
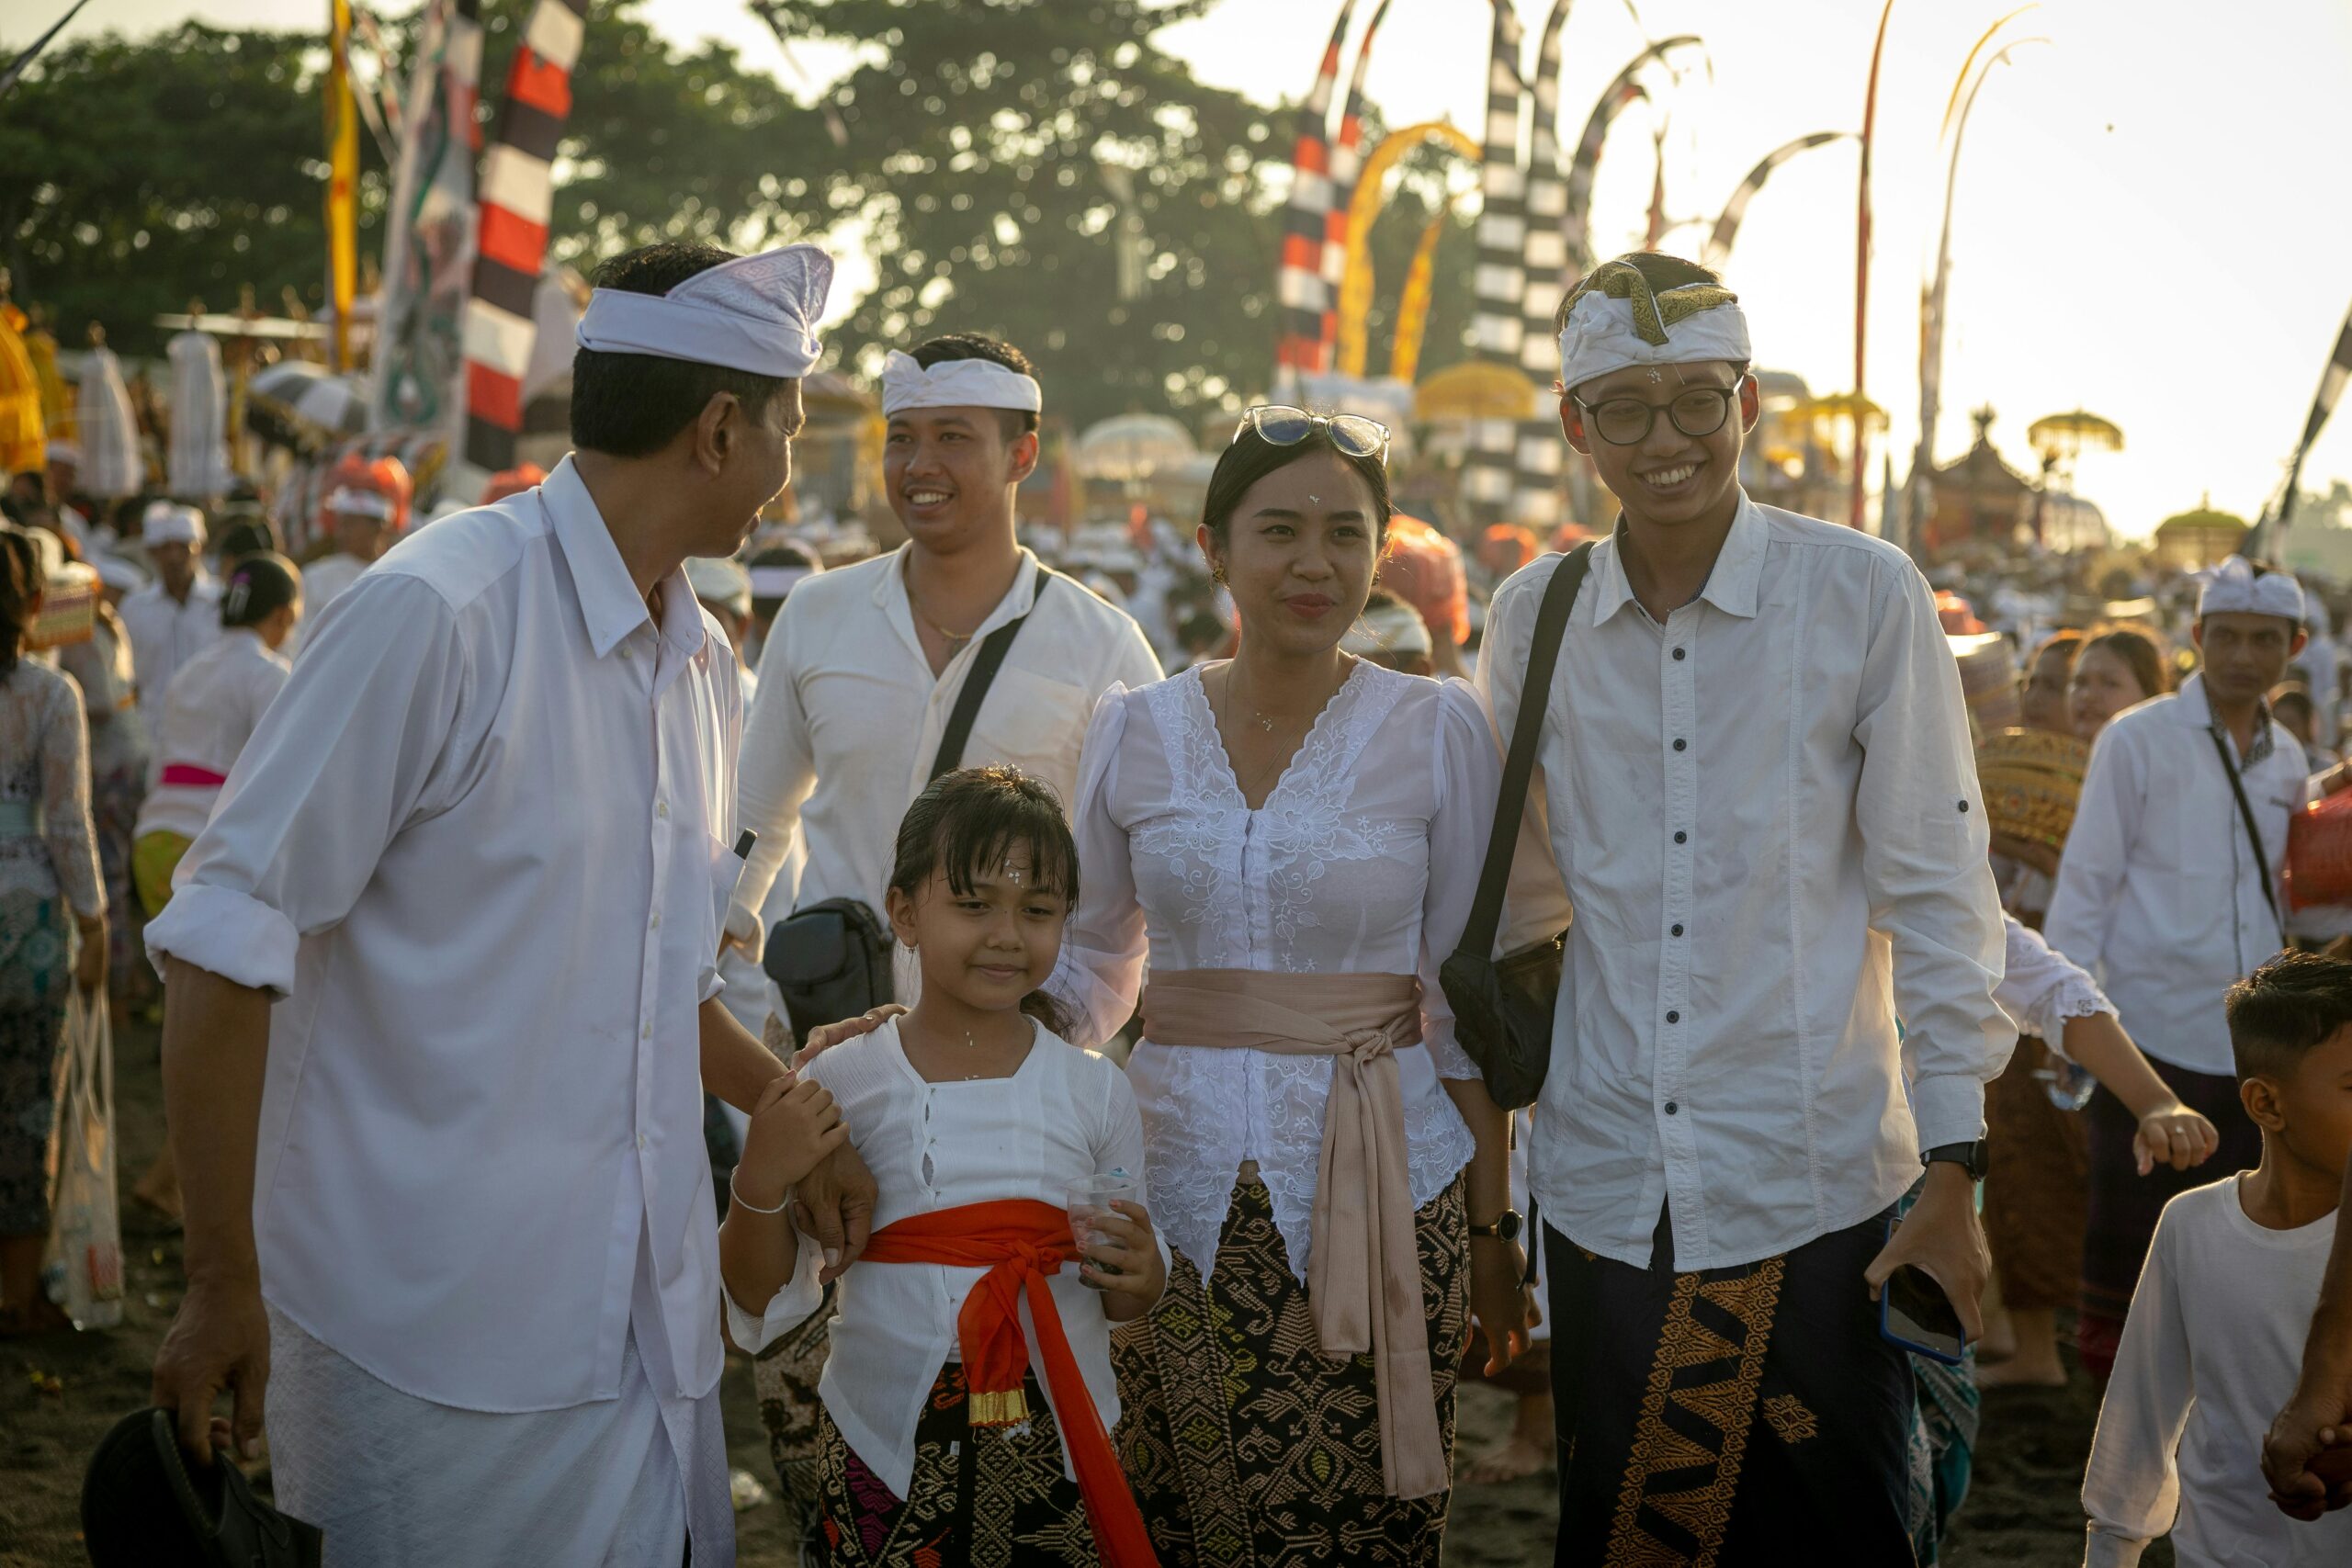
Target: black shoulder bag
column 831, row 960
column 1502, row 1009
column 2253, row 835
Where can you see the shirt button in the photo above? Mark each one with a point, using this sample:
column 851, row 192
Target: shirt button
column 641, row 1140
column 660, row 808
column 1963, row 805
column 1671, row 1108
column 624, row 650
column 1674, row 1018
column 645, row 1033
column 1682, row 838
column 1677, row 653
column 657, row 921
column 1678, row 930
column 1682, row 745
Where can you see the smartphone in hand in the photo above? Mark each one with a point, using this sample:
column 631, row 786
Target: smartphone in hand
column 1915, row 1314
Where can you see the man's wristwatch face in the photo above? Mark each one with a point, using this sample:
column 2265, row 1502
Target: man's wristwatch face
column 1505, row 1228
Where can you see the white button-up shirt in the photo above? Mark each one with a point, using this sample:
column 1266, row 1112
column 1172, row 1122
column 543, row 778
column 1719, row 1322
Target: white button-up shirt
column 1767, row 816
column 2159, row 894
column 479, row 847
column 848, row 716
column 165, row 632
column 214, row 707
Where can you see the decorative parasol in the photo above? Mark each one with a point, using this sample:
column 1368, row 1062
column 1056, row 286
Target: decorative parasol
column 296, row 404
column 2060, row 438
column 111, row 464
column 1846, row 407
column 1131, row 447
column 1475, row 389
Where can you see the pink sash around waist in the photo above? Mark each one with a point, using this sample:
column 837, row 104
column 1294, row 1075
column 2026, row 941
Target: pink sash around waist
column 1363, row 1274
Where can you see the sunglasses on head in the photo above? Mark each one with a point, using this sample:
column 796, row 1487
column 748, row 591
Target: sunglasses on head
column 1279, row 424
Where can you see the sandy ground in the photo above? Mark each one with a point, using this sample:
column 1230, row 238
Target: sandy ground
column 59, row 1395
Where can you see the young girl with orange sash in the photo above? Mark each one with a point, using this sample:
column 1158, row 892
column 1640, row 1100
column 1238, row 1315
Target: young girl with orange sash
column 968, row 1395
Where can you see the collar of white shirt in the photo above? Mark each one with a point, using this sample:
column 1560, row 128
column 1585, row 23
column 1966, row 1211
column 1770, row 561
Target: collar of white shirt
column 890, row 593
column 2194, row 711
column 1731, row 586
column 610, row 605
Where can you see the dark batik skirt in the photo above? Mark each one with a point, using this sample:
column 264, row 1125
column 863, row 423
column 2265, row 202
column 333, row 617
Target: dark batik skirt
column 1744, row 1414
column 980, row 1497
column 2034, row 1188
column 1248, row 1448
column 2124, row 1204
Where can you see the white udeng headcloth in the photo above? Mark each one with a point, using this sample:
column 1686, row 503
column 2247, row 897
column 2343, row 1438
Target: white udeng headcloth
column 1616, row 321
column 956, row 384
column 755, row 313
column 2236, row 588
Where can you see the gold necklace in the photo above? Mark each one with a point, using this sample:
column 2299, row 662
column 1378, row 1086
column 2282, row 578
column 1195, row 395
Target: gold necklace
column 924, row 617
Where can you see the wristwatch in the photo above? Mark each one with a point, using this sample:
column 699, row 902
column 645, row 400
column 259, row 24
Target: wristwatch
column 1970, row 1156
column 1505, row 1228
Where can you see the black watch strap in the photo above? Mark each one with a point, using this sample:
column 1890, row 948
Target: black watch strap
column 1506, row 1226
column 1970, row 1154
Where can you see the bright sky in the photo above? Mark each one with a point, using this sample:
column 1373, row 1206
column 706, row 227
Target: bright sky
column 2137, row 231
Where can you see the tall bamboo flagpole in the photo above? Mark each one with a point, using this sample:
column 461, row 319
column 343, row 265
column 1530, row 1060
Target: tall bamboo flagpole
column 1862, row 269
column 342, row 182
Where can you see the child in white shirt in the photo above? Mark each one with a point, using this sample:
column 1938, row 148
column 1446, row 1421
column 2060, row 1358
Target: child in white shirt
column 968, row 1391
column 2215, row 1335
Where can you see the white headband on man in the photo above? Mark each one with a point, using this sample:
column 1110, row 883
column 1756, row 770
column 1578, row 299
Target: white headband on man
column 1615, row 322
column 2234, row 587
column 756, row 314
column 956, row 384
column 169, row 523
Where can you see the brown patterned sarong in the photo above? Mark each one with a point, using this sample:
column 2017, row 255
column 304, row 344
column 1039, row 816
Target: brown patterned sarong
column 1247, row 1447
column 2035, row 1185
column 981, row 1496
column 1730, row 1416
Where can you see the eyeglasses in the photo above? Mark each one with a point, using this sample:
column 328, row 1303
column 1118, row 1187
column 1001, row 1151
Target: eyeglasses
column 1625, row 422
column 1279, row 424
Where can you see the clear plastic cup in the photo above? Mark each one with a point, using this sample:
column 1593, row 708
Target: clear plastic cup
column 1090, row 1200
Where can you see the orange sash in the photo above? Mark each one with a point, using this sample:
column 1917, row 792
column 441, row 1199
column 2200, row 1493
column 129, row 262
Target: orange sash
column 1022, row 1241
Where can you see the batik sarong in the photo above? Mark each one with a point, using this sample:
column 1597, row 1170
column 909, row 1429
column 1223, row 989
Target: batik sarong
column 981, row 1496
column 1248, row 1448
column 2034, row 1185
column 1729, row 1415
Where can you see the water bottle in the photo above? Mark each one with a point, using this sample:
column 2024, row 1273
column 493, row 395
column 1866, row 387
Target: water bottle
column 2069, row 1087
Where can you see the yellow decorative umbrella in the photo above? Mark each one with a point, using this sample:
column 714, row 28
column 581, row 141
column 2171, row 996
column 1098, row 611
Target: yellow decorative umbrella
column 1474, row 389
column 2062, row 436
column 23, row 436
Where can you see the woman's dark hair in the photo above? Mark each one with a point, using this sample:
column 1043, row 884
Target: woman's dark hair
column 1252, row 457
column 2139, row 653
column 20, row 583
column 251, row 535
column 978, row 346
column 968, row 823
column 258, row 587
column 2068, row 642
column 634, row 404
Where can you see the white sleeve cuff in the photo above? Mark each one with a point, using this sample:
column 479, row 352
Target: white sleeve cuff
column 790, row 1307
column 1948, row 1109
column 232, row 934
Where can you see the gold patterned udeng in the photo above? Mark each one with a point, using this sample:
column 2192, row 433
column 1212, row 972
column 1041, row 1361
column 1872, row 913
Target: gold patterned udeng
column 2032, row 782
column 1653, row 314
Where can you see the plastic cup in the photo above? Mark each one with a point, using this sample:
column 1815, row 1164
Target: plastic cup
column 1090, row 1200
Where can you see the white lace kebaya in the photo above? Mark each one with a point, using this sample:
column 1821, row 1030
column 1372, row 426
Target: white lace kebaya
column 1363, row 860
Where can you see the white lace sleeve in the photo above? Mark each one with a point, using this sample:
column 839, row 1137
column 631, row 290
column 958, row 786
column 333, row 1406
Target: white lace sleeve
column 1469, row 772
column 2042, row 989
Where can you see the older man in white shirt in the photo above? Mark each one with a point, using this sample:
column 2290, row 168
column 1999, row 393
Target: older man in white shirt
column 862, row 671
column 2169, row 892
column 462, row 1164
column 179, row 615
column 1757, row 788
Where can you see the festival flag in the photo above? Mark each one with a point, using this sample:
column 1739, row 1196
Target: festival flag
column 1576, row 222
column 2271, row 535
column 517, row 196
column 1718, row 242
column 1346, row 166
column 1862, row 271
column 1495, row 331
column 1544, row 259
column 32, row 51
column 418, row 365
column 1299, row 289
column 1413, row 305
column 343, row 181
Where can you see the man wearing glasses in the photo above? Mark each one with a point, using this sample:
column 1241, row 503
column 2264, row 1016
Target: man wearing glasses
column 1758, row 798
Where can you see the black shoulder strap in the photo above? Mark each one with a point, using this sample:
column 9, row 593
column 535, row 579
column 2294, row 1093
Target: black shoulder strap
column 2253, row 834
column 978, row 680
column 1519, row 769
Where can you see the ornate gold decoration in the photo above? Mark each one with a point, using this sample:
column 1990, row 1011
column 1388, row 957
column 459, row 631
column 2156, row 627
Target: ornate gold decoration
column 1653, row 313
column 2032, row 782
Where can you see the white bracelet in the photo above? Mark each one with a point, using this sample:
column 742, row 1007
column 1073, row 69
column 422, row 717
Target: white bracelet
column 735, row 1197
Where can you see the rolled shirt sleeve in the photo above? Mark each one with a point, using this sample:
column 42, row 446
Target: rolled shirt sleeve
column 1925, row 844
column 323, row 787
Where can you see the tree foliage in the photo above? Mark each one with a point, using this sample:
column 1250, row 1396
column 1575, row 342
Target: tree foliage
column 1038, row 169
